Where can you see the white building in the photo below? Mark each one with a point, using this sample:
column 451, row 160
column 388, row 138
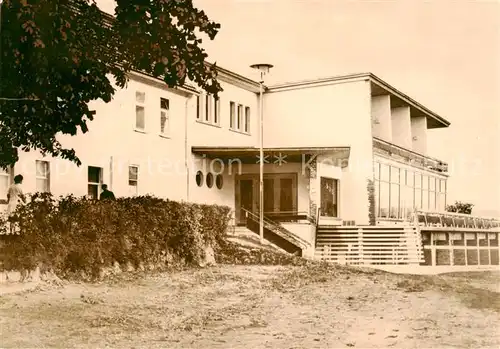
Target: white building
column 325, row 141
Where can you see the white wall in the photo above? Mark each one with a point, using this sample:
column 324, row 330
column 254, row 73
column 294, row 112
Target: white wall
column 204, row 194
column 202, row 134
column 163, row 161
column 381, row 117
column 328, row 116
column 401, row 127
column 419, row 134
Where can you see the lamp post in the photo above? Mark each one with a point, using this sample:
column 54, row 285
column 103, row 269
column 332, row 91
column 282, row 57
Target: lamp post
column 264, row 69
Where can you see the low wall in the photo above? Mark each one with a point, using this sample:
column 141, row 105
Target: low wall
column 305, row 231
column 460, row 248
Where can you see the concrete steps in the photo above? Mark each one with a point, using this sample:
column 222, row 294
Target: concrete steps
column 244, row 236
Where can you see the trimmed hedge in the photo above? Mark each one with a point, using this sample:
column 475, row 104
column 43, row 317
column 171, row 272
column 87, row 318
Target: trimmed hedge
column 75, row 235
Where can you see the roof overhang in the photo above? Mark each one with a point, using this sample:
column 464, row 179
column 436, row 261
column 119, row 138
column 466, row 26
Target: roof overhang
column 236, row 79
column 251, row 155
column 399, row 99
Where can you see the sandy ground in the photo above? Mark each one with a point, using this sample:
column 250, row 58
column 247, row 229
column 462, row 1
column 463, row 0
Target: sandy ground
column 258, row 307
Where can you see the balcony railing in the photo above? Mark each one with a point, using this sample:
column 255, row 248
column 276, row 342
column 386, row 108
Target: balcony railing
column 411, row 157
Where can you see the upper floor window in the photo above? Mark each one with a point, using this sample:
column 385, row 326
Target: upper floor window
column 42, row 176
column 164, row 116
column 232, row 115
column 198, row 107
column 216, row 110
column 207, row 109
column 140, row 111
column 247, row 119
column 239, row 117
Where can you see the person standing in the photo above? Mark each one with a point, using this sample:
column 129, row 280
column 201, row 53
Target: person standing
column 106, row 194
column 14, row 195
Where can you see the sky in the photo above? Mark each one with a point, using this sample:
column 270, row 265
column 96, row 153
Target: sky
column 443, row 53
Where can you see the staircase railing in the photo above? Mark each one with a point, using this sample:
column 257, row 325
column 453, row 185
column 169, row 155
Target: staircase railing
column 277, row 229
column 288, row 216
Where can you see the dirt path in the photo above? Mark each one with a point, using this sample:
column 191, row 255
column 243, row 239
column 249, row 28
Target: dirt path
column 259, row 307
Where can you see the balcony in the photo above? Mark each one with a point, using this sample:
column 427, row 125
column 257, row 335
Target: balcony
column 410, row 157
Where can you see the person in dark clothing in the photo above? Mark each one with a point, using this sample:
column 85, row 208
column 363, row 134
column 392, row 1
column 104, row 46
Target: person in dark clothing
column 106, row 194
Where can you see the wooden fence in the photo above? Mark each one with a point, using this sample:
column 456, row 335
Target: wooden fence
column 374, row 245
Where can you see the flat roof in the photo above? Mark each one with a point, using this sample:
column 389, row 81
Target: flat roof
column 378, row 87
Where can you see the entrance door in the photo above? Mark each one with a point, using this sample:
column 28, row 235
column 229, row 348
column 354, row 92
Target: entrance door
column 246, row 198
column 286, row 195
column 268, row 195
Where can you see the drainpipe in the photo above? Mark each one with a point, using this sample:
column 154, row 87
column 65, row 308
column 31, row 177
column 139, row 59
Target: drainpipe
column 186, row 150
column 111, row 173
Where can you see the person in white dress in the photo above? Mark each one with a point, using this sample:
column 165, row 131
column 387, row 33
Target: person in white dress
column 14, row 196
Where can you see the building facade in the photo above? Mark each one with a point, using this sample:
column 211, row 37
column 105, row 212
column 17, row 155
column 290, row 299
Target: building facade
column 326, row 143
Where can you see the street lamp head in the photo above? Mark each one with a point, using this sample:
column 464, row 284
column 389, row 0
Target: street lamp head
column 263, row 67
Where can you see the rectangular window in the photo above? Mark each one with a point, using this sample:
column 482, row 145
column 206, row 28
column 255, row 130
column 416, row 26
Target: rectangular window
column 329, row 199
column 5, row 181
column 410, row 178
column 432, row 193
column 432, row 200
column 384, row 199
column 418, row 198
column 394, row 201
column 442, row 187
column 198, row 107
column 232, row 115
column 406, row 201
column 208, row 106
column 42, row 176
column 432, row 183
column 376, row 168
column 140, row 111
column 239, row 121
column 377, row 198
column 394, row 175
column 441, row 202
column 216, row 110
column 425, row 199
column 247, row 119
column 133, row 179
column 94, row 181
column 164, row 116
column 384, row 172
column 418, row 180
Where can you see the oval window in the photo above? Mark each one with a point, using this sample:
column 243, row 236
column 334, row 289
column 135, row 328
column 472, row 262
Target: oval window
column 219, row 181
column 199, row 178
column 210, row 180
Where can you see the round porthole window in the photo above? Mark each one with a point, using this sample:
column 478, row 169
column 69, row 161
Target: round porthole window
column 210, row 180
column 218, row 181
column 199, row 178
